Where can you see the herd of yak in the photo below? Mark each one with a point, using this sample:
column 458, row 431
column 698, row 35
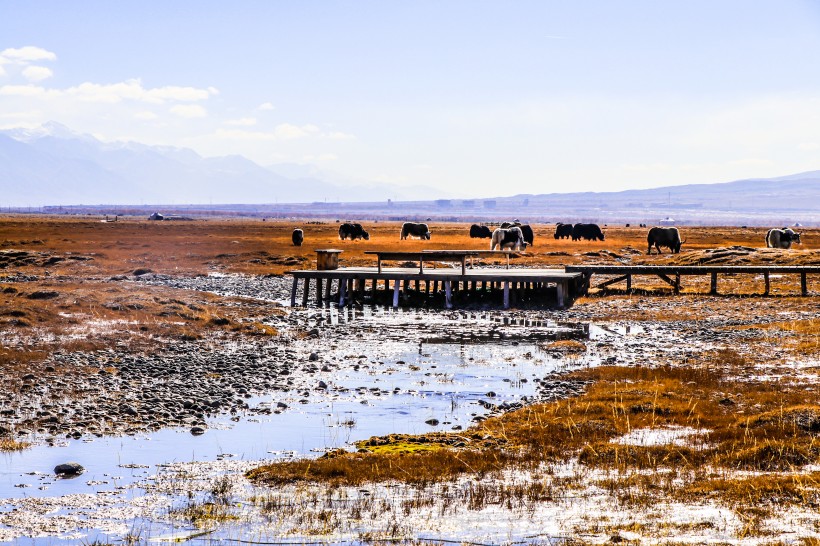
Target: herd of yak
column 517, row 236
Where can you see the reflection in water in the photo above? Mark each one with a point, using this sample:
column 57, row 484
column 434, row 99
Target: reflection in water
column 375, row 388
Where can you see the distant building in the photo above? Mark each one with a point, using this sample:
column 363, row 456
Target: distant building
column 668, row 221
column 468, row 203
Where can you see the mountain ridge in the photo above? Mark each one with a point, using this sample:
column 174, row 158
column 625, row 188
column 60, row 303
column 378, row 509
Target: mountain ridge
column 53, row 165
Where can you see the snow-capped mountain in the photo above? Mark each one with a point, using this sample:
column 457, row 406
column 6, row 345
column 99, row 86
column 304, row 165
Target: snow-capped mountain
column 53, row 165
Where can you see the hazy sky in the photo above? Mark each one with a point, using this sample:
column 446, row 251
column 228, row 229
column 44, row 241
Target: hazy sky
column 481, row 98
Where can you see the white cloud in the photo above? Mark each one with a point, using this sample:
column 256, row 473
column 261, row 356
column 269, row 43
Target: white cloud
column 241, row 134
column 287, row 131
column 29, row 91
column 134, row 90
column 27, row 54
column 283, row 131
column 36, row 73
column 241, row 122
column 319, row 158
column 265, row 106
column 189, row 111
column 338, row 135
column 145, row 115
column 750, row 162
column 24, row 115
column 3, row 72
column 182, row 94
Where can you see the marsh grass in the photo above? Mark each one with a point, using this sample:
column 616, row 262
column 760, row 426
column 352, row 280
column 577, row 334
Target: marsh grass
column 8, row 444
column 92, row 315
column 768, row 428
column 252, row 246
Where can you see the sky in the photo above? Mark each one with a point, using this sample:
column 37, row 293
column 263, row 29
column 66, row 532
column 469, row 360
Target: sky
column 477, row 98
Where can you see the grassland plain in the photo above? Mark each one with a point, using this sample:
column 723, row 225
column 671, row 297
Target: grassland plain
column 714, row 441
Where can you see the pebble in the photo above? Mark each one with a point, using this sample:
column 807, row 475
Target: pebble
column 69, row 469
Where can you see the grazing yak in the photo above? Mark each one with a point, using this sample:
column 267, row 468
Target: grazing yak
column 480, row 232
column 563, row 231
column 511, row 238
column 353, row 232
column 298, row 237
column 529, row 236
column 412, row 229
column 782, row 238
column 664, row 236
column 590, row 232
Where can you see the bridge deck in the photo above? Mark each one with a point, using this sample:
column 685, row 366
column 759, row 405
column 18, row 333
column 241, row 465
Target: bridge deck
column 667, row 272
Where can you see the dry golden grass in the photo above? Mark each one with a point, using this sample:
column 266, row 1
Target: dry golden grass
column 254, row 246
column 7, row 444
column 759, row 426
column 92, row 315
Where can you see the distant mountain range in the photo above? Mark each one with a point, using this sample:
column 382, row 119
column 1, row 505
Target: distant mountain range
column 796, row 192
column 53, row 165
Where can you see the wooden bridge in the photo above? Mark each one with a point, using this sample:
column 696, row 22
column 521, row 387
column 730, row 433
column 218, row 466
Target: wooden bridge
column 672, row 274
column 551, row 287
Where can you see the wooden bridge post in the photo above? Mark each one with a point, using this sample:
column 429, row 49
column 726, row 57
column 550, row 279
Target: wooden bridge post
column 342, row 287
column 713, row 287
column 766, row 283
column 307, row 292
column 319, row 291
column 293, row 291
column 560, row 289
column 628, row 283
column 506, row 294
column 327, row 290
column 677, row 283
column 803, row 287
column 448, row 295
column 360, row 287
column 396, row 288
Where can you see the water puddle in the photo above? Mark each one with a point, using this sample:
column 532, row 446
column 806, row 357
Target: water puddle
column 402, row 372
column 417, row 388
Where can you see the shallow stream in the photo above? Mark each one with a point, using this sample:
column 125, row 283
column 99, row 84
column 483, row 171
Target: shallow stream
column 391, row 387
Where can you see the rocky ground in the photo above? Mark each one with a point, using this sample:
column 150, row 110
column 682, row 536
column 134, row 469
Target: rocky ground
column 181, row 383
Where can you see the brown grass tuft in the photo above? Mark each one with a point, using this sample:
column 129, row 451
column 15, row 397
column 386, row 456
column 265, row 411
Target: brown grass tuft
column 7, row 444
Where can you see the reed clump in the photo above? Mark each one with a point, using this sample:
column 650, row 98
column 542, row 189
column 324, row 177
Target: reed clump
column 418, row 467
column 9, row 444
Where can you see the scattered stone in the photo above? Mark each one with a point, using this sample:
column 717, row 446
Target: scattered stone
column 197, row 431
column 43, row 295
column 69, row 470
